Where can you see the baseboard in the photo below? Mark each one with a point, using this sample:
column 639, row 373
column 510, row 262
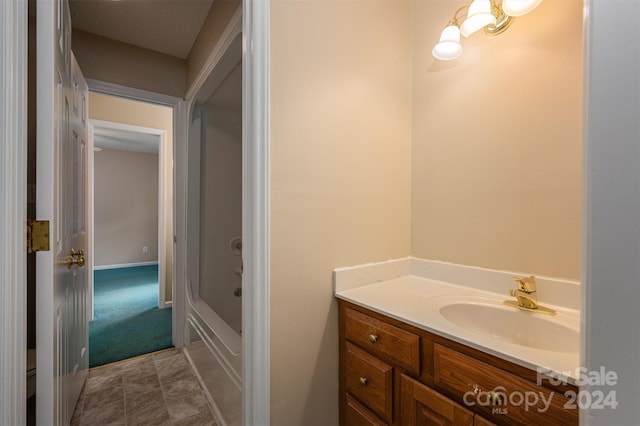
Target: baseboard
column 124, row 265
column 168, row 303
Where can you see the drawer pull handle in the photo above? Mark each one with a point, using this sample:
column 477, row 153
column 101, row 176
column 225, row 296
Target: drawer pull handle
column 363, row 381
column 373, row 338
column 496, row 398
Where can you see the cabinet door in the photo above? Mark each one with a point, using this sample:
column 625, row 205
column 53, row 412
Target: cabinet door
column 481, row 421
column 421, row 405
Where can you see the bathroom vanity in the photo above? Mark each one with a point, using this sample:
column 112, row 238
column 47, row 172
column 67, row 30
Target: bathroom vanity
column 402, row 363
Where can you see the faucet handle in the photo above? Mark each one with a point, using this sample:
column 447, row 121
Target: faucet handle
column 526, row 284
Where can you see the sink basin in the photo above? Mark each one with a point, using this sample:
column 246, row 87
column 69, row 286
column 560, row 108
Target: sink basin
column 514, row 326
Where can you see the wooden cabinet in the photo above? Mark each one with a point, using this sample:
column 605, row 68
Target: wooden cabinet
column 392, row 373
column 383, row 340
column 479, row 421
column 369, row 380
column 357, row 415
column 422, row 405
column 460, row 374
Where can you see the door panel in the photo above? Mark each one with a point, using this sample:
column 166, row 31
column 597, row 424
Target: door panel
column 78, row 363
column 61, row 286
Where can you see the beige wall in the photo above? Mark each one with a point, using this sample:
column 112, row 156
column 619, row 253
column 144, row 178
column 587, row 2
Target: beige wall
column 119, row 110
column 340, row 179
column 486, row 151
column 219, row 15
column 115, row 62
column 497, row 158
column 126, row 207
column 120, row 63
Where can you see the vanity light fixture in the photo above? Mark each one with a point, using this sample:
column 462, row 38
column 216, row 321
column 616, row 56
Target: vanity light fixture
column 519, row 7
column 487, row 14
column 479, row 16
column 449, row 46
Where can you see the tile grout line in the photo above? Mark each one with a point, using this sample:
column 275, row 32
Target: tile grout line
column 201, row 390
column 198, row 390
column 164, row 396
column 124, row 397
column 80, row 409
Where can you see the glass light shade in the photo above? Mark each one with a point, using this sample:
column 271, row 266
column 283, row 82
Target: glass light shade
column 519, row 7
column 448, row 48
column 478, row 17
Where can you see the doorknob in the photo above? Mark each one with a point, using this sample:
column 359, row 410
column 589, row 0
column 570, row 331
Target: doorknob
column 71, row 258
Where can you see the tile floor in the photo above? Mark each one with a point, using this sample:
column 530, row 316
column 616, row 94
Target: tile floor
column 155, row 389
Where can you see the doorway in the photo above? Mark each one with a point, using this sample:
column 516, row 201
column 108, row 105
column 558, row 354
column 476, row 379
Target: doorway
column 255, row 331
column 130, row 197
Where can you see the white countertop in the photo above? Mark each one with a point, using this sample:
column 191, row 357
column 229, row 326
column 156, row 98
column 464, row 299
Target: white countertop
column 416, row 300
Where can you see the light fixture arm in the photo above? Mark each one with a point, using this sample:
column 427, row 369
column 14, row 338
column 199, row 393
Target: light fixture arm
column 503, row 21
column 454, row 20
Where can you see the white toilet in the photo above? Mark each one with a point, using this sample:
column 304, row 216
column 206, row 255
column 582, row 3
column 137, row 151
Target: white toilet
column 31, row 372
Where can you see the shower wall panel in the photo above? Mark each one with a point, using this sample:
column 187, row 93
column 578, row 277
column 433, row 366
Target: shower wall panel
column 221, row 213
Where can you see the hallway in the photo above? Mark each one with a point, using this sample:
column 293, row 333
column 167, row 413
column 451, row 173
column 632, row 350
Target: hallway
column 154, row 389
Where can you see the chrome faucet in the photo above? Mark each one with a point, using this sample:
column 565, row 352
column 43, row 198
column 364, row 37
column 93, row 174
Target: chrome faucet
column 526, row 292
column 527, row 296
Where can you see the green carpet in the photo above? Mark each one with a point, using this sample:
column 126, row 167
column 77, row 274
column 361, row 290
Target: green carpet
column 127, row 321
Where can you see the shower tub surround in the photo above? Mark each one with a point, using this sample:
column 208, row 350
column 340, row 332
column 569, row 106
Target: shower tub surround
column 414, row 290
column 213, row 273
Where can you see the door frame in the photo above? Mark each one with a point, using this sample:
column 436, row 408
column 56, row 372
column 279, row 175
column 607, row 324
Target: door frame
column 611, row 206
column 163, row 181
column 256, row 400
column 13, row 216
column 105, row 88
column 256, row 389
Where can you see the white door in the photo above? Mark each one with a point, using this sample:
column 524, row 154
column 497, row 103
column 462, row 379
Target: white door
column 79, row 309
column 61, row 280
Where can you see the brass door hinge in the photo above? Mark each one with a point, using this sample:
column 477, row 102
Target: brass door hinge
column 37, row 235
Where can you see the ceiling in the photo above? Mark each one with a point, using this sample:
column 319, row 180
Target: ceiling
column 165, row 26
column 124, row 140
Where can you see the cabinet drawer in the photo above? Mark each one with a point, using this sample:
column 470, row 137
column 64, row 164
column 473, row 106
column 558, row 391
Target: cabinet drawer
column 390, row 343
column 422, row 405
column 462, row 375
column 357, row 415
column 370, row 381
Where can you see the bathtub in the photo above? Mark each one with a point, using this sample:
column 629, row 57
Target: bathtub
column 214, row 350
column 214, row 237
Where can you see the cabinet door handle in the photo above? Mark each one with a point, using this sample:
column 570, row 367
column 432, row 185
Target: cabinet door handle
column 363, row 381
column 373, row 338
